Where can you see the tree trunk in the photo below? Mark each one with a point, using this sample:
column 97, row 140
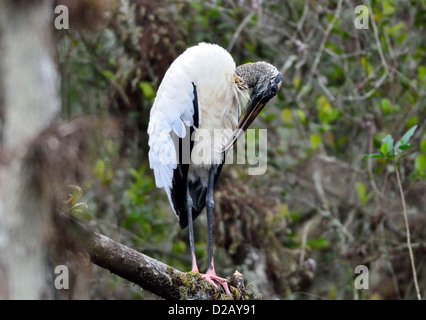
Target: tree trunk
column 30, row 103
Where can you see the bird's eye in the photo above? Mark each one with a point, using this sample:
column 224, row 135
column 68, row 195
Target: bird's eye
column 274, row 90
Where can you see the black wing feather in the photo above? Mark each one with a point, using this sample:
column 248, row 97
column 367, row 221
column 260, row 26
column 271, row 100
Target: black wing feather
column 180, row 176
column 179, row 187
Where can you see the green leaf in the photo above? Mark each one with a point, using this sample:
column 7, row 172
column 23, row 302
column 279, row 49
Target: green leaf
column 133, row 172
column 384, row 148
column 394, row 29
column 404, row 146
column 296, row 81
column 315, row 140
column 286, row 116
column 387, row 145
column 423, row 145
column 366, row 65
column 421, row 73
column 387, row 107
column 412, row 121
column 320, row 243
column 107, row 74
column 268, row 117
column 420, row 163
column 330, row 46
column 326, row 113
column 99, row 169
column 146, row 89
column 360, row 188
column 387, row 8
column 301, row 115
column 362, row 194
column 103, row 172
column 385, row 104
column 408, row 135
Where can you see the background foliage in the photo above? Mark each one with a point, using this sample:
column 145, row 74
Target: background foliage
column 299, row 230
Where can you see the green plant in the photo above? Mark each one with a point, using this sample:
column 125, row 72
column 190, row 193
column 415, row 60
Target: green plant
column 74, row 205
column 395, row 153
column 143, row 216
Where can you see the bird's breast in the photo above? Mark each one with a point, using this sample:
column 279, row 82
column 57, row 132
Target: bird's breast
column 219, row 118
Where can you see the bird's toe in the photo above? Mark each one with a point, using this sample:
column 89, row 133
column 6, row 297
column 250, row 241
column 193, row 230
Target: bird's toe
column 214, row 280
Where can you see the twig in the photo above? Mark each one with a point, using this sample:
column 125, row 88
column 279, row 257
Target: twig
column 304, row 15
column 325, row 90
column 376, row 37
column 326, row 212
column 324, row 40
column 407, row 228
column 345, row 55
column 370, row 132
column 369, row 93
column 239, row 30
column 304, row 238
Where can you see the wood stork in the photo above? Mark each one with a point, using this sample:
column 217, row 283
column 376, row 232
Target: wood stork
column 201, row 92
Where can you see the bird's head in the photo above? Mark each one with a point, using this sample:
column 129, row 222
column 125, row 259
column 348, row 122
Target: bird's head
column 265, row 81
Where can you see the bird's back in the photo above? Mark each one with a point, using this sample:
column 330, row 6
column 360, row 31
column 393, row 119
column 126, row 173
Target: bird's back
column 198, row 93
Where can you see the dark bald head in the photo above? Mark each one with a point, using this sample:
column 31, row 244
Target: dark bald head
column 262, row 77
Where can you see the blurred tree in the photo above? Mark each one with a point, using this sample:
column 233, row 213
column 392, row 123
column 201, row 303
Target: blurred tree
column 28, row 69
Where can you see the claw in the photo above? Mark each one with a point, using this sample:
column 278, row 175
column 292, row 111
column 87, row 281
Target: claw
column 210, row 276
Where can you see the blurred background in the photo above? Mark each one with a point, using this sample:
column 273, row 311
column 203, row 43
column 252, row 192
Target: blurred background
column 299, row 230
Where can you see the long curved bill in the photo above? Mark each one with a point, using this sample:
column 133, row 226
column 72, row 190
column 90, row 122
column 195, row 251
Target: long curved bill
column 253, row 108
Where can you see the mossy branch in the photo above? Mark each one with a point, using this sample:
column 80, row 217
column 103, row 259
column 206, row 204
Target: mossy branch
column 148, row 273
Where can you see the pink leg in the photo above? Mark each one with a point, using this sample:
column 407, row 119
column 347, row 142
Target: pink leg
column 194, row 264
column 211, row 277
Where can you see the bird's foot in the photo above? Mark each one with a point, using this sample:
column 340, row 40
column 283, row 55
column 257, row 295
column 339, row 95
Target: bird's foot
column 210, row 276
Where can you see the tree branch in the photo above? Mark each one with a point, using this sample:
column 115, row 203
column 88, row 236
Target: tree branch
column 149, row 273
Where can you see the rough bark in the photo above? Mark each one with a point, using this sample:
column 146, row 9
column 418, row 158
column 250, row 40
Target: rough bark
column 150, row 274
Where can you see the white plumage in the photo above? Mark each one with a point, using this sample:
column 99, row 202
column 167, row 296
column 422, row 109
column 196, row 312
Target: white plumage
column 212, row 70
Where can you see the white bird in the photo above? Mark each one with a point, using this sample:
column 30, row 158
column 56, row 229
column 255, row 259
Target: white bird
column 202, row 92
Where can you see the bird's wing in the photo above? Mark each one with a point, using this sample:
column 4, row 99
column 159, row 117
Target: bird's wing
column 172, row 115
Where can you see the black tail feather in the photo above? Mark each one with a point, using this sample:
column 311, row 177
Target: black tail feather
column 198, row 195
